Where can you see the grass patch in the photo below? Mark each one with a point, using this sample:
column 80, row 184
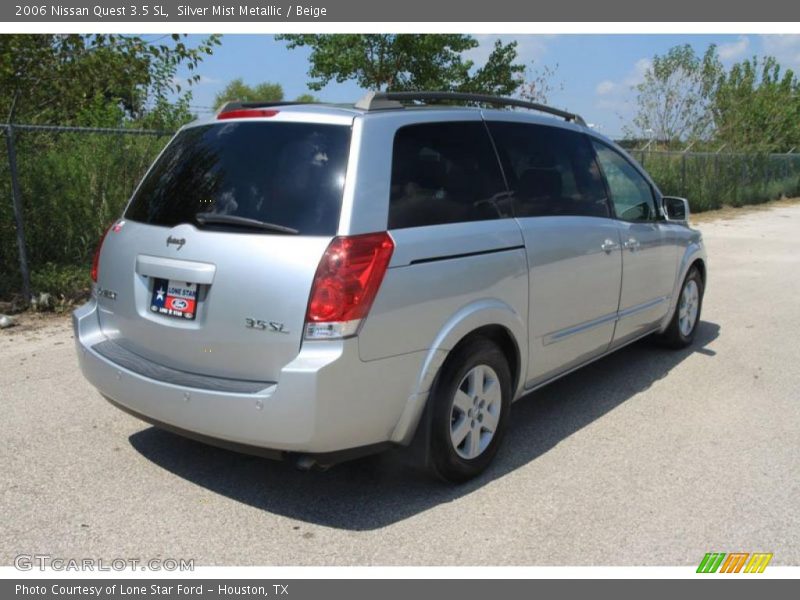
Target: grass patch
column 713, row 181
column 66, row 285
column 71, row 282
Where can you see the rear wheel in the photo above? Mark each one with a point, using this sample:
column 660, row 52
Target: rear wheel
column 683, row 326
column 471, row 401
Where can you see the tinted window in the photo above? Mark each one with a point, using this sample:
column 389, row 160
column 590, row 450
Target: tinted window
column 289, row 174
column 631, row 195
column 445, row 173
column 551, row 171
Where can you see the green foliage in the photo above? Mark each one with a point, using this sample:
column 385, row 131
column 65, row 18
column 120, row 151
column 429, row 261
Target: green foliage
column 408, row 62
column 711, row 181
column 73, row 186
column 757, row 106
column 237, row 89
column 674, row 100
column 754, row 106
column 52, row 78
column 65, row 283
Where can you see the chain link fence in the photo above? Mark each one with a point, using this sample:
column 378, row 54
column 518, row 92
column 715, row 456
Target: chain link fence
column 73, row 181
column 67, row 184
column 711, row 180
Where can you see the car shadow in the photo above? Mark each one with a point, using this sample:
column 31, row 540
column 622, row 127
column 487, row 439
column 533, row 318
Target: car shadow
column 376, row 491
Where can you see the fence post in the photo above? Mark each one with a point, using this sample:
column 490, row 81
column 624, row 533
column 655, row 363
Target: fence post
column 683, row 174
column 16, row 198
column 717, row 169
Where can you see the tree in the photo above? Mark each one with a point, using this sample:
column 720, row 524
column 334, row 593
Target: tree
column 55, row 78
column 757, row 106
column 307, row 98
column 237, row 89
column 538, row 83
column 408, row 62
column 675, row 98
column 91, row 80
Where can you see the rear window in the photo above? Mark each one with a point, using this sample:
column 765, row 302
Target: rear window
column 287, row 174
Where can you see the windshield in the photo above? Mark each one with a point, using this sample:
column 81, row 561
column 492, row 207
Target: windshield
column 286, row 174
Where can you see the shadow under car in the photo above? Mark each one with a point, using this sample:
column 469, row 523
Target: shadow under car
column 336, row 498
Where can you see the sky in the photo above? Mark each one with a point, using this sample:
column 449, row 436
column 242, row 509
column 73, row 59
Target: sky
column 594, row 74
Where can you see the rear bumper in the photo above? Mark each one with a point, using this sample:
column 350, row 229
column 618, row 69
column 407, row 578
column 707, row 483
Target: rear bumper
column 327, row 400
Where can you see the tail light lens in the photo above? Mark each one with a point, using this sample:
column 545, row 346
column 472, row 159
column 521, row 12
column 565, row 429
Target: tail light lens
column 246, row 113
column 96, row 259
column 347, row 280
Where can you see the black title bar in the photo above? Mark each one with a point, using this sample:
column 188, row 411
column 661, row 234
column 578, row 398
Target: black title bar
column 22, row 11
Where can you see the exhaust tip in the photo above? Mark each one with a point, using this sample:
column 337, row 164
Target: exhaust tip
column 304, row 462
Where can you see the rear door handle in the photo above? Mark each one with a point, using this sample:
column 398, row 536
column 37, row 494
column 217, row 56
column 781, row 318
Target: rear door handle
column 608, row 246
column 632, row 244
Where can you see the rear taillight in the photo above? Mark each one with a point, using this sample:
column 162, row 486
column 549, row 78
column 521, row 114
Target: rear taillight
column 96, row 259
column 347, row 280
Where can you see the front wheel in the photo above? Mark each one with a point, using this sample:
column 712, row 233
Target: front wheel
column 471, row 402
column 683, row 326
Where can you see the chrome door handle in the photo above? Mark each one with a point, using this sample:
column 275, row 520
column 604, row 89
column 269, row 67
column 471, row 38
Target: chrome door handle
column 632, row 244
column 608, row 245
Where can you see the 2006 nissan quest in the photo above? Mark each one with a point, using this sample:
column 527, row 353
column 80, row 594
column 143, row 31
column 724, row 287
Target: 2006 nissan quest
column 323, row 281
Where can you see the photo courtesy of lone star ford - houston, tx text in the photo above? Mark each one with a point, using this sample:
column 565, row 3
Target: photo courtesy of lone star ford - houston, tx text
column 358, row 300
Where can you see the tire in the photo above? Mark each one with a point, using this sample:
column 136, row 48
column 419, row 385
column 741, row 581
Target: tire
column 682, row 328
column 470, row 405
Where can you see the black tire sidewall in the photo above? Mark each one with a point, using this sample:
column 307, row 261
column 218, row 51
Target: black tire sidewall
column 693, row 275
column 444, row 460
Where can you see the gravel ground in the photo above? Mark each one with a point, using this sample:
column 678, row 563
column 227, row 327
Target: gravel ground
column 647, row 457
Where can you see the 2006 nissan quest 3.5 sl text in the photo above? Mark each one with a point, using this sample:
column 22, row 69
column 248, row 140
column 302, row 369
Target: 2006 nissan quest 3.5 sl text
column 323, row 281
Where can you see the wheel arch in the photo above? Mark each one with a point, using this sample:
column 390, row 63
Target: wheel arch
column 693, row 256
column 504, row 339
column 489, row 318
column 700, row 263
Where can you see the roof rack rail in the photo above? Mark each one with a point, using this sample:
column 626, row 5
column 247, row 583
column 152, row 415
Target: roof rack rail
column 237, row 105
column 392, row 100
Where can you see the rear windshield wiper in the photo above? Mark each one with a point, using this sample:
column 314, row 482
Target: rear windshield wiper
column 218, row 219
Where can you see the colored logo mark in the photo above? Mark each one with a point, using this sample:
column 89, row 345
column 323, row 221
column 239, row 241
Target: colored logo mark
column 734, row 562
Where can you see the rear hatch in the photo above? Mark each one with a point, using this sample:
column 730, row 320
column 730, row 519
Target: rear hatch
column 211, row 267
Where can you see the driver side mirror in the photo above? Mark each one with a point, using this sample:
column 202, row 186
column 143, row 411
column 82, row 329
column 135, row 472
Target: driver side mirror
column 675, row 209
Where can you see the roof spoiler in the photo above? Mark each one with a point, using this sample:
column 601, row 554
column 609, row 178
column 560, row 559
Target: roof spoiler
column 239, row 105
column 393, row 100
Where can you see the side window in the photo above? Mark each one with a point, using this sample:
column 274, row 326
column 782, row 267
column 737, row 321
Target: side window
column 630, row 192
column 551, row 170
column 445, row 173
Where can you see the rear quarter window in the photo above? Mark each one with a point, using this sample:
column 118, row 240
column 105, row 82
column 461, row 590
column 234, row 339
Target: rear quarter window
column 445, row 173
column 288, row 174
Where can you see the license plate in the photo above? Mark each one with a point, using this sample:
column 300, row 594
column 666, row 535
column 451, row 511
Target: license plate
column 174, row 298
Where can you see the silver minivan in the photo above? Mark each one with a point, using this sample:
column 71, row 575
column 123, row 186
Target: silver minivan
column 319, row 282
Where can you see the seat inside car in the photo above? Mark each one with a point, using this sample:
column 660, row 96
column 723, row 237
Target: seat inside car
column 539, row 192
